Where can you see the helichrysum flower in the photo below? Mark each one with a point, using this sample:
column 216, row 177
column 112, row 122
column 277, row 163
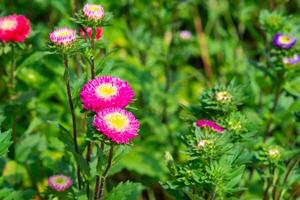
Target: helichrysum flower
column 283, row 41
column 60, row 182
column 104, row 92
column 185, row 35
column 63, row 36
column 14, row 28
column 210, row 124
column 291, row 60
column 117, row 124
column 93, row 11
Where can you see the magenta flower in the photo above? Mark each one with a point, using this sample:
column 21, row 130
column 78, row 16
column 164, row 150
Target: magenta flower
column 93, row 11
column 104, row 92
column 60, row 182
column 62, row 36
column 210, row 124
column 117, row 124
column 291, row 60
column 283, row 41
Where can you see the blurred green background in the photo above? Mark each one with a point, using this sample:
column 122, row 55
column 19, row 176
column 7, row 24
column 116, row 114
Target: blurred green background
column 167, row 72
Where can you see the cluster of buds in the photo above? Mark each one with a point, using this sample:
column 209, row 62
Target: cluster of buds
column 65, row 37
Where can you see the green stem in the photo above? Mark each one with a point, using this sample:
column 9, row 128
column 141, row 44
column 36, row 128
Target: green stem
column 269, row 183
column 72, row 109
column 275, row 102
column 89, row 144
column 11, row 85
column 290, row 168
column 101, row 183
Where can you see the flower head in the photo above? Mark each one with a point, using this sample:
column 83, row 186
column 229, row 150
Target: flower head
column 89, row 31
column 185, row 35
column 93, row 11
column 223, row 96
column 60, row 182
column 63, row 36
column 117, row 124
column 14, row 28
column 291, row 60
column 104, row 92
column 273, row 153
column 210, row 124
column 283, row 41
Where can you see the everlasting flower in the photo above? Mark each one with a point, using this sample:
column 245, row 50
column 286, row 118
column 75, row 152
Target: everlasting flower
column 104, row 92
column 60, row 182
column 210, row 124
column 14, row 28
column 283, row 41
column 290, row 61
column 185, row 35
column 117, row 124
column 223, row 96
column 89, row 31
column 93, row 11
column 63, row 36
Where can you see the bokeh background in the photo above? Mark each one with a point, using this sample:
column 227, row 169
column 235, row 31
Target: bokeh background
column 167, row 72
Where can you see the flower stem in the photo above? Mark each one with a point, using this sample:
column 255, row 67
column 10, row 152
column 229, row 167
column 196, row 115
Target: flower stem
column 269, row 183
column 89, row 144
column 72, row 108
column 100, row 183
column 275, row 102
column 93, row 58
column 290, row 168
column 11, row 85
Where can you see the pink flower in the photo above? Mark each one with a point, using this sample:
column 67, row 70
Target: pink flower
column 99, row 32
column 104, row 92
column 93, row 11
column 210, row 124
column 185, row 35
column 117, row 124
column 60, row 182
column 14, row 28
column 63, row 36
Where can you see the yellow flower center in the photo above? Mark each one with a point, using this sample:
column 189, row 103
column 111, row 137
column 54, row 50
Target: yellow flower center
column 62, row 33
column 117, row 121
column 285, row 39
column 8, row 24
column 106, row 90
column 94, row 8
column 59, row 180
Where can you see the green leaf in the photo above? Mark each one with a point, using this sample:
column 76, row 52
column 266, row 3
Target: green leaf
column 125, row 191
column 83, row 164
column 293, row 87
column 76, row 87
column 5, row 141
column 37, row 56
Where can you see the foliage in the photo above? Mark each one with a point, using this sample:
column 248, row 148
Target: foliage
column 250, row 92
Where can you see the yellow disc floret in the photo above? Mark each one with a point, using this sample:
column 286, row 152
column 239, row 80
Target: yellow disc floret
column 106, row 90
column 117, row 121
column 8, row 24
